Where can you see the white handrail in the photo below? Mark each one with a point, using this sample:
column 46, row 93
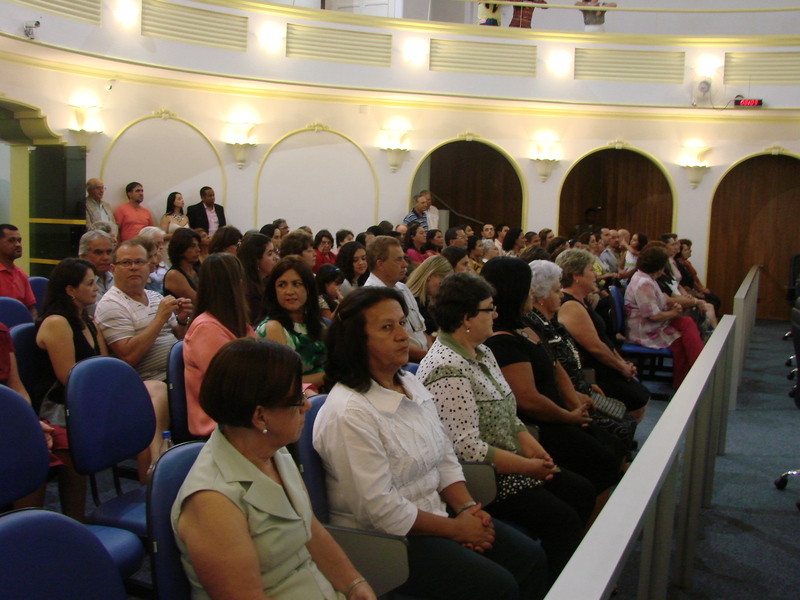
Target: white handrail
column 645, row 498
column 744, row 307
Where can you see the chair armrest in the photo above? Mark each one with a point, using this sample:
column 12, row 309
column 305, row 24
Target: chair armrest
column 481, row 481
column 380, row 558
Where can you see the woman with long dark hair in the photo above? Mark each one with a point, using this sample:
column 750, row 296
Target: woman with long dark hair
column 329, row 279
column 258, row 257
column 290, row 315
column 174, row 218
column 220, row 316
column 352, row 260
column 184, row 253
column 225, row 239
column 413, row 242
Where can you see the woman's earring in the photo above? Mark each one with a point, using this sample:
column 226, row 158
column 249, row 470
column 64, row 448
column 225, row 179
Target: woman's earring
column 468, row 330
column 265, row 431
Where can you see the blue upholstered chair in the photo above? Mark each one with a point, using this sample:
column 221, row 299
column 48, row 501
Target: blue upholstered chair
column 110, row 418
column 48, row 555
column 13, row 312
column 24, row 464
column 39, row 287
column 169, row 578
column 33, row 363
column 176, row 392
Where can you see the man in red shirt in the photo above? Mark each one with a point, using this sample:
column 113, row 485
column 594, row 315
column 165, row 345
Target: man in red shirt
column 131, row 217
column 13, row 280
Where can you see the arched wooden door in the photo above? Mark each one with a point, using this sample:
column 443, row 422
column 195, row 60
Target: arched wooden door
column 630, row 189
column 477, row 181
column 755, row 219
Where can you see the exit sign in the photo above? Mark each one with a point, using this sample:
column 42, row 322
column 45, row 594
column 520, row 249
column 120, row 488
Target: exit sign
column 747, row 102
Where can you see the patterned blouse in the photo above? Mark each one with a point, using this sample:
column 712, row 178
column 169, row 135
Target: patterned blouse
column 562, row 346
column 643, row 299
column 476, row 406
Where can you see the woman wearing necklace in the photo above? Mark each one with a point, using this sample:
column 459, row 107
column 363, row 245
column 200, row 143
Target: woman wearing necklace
column 174, row 218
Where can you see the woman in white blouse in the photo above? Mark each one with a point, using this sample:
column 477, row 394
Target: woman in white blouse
column 479, row 413
column 391, row 467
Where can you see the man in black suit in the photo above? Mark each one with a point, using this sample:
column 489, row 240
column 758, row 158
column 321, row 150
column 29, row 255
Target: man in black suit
column 205, row 213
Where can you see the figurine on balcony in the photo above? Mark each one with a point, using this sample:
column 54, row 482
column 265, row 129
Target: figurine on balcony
column 523, row 15
column 594, row 20
column 488, row 14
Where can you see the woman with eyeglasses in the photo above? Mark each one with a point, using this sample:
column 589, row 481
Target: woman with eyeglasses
column 390, row 467
column 220, row 316
column 242, row 519
column 352, row 260
column 184, row 253
column 479, row 413
column 290, row 315
column 323, row 246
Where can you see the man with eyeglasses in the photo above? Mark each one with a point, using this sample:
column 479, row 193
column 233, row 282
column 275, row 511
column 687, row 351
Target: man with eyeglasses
column 387, row 264
column 96, row 208
column 97, row 247
column 139, row 325
column 455, row 236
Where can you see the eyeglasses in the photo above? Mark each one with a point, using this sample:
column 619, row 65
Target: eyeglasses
column 491, row 309
column 132, row 263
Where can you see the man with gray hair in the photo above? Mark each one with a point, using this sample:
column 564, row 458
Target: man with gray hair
column 156, row 235
column 96, row 247
column 96, row 208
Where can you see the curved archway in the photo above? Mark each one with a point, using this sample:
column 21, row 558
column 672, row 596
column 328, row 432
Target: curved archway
column 632, row 189
column 755, row 220
column 477, row 181
column 348, row 172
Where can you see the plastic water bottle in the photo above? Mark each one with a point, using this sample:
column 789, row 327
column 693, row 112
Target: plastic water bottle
column 166, row 444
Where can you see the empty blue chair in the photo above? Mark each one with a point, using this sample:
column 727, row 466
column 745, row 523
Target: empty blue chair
column 13, row 312
column 24, row 464
column 39, row 287
column 169, row 578
column 110, row 418
column 176, row 393
column 33, row 363
column 47, row 555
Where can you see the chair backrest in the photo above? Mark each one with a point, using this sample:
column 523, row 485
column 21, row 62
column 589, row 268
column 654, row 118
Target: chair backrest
column 35, row 369
column 169, row 578
column 13, row 312
column 48, row 555
column 619, row 300
column 39, row 287
column 411, row 367
column 24, row 460
column 311, row 464
column 176, row 392
column 109, row 413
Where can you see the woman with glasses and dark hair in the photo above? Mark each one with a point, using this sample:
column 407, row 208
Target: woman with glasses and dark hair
column 290, row 315
column 544, row 393
column 352, row 260
column 323, row 246
column 184, row 254
column 242, row 519
column 329, row 278
column 220, row 316
column 391, row 468
column 479, row 413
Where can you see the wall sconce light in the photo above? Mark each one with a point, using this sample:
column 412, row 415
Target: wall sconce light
column 415, row 51
column 272, row 37
column 692, row 160
column 391, row 141
column 87, row 126
column 543, row 152
column 238, row 138
column 126, row 13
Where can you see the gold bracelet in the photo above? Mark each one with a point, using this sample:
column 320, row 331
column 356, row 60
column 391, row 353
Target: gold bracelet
column 352, row 585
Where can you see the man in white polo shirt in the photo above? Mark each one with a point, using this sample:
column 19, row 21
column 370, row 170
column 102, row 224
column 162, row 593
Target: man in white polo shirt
column 387, row 265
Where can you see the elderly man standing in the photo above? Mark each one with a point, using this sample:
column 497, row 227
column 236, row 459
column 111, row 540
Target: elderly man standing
column 13, row 280
column 206, row 213
column 387, row 264
column 131, row 217
column 97, row 247
column 140, row 326
column 96, row 208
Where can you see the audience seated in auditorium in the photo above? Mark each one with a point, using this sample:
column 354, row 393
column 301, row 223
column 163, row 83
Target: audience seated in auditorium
column 434, row 242
column 13, row 280
column 633, row 248
column 390, row 467
column 323, row 246
column 157, row 273
column 132, row 216
column 299, row 243
column 475, row 252
column 184, row 254
column 342, row 237
column 290, row 315
column 553, row 505
column 329, row 279
column 96, row 247
column 655, row 322
column 387, row 267
column 458, row 258
column 352, row 260
column 152, row 261
column 413, row 244
column 423, row 283
column 206, row 213
column 514, row 242
column 220, row 316
column 225, row 239
column 258, row 257
column 230, row 544
column 689, row 278
column 455, row 236
column 140, row 326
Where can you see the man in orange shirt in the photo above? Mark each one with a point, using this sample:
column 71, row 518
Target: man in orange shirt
column 131, row 217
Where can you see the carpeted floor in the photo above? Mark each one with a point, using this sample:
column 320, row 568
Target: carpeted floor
column 750, row 540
